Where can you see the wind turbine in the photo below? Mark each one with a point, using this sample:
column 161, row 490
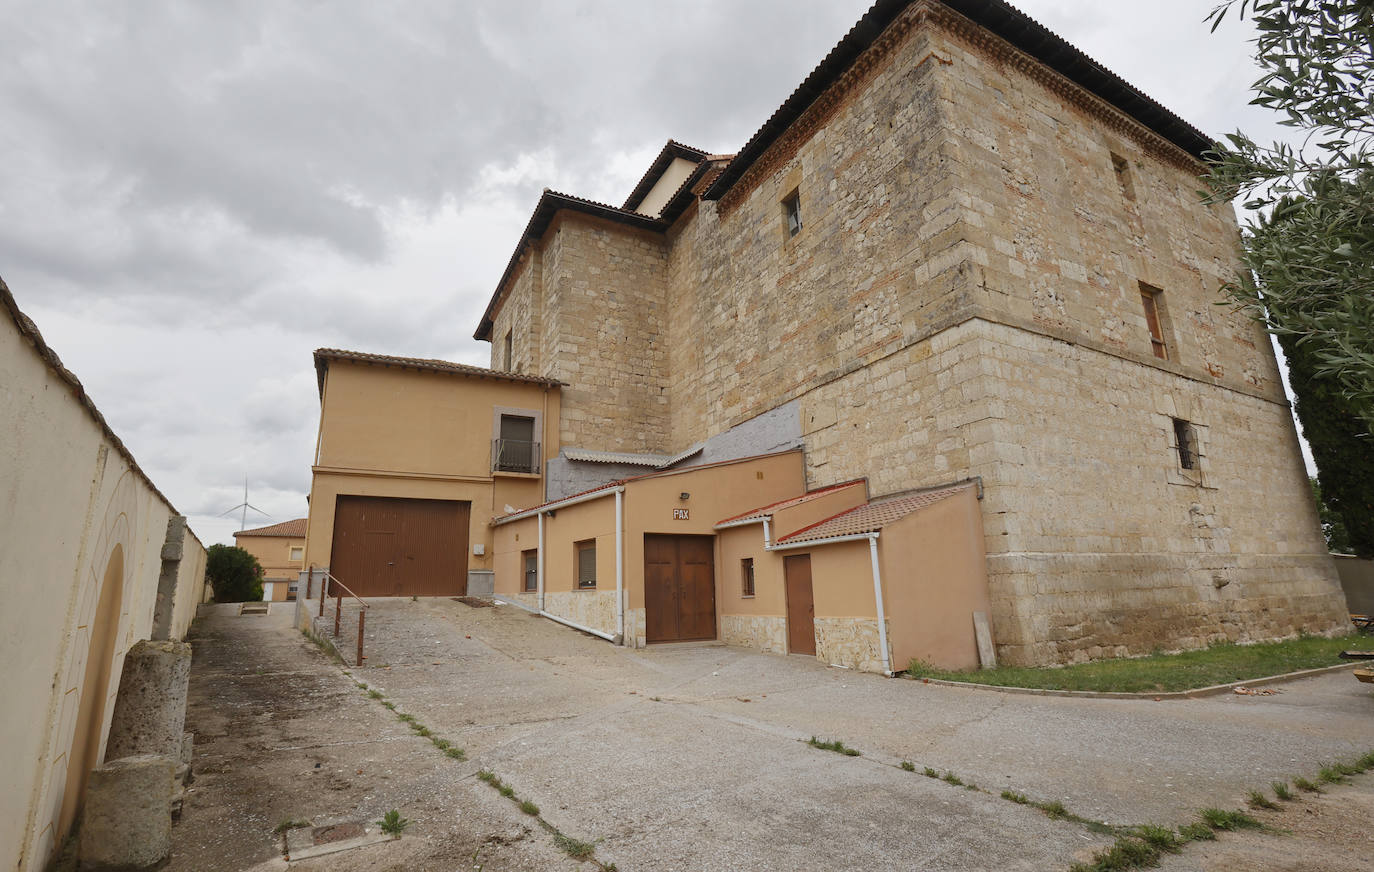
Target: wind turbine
column 245, row 506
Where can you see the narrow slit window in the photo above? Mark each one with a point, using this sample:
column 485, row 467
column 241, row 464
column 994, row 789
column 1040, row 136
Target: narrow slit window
column 586, row 564
column 747, row 569
column 506, row 363
column 1122, row 167
column 1185, row 439
column 791, row 210
column 1152, row 299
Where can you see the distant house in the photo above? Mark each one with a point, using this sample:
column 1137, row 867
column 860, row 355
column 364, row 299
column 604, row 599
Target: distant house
column 280, row 550
column 962, row 265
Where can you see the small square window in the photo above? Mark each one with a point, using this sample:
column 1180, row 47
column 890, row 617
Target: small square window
column 531, row 563
column 585, row 552
column 1185, row 440
column 791, row 210
column 747, row 568
column 297, row 552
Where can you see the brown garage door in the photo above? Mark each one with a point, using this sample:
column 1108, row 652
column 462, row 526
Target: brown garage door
column 385, row 546
column 679, row 588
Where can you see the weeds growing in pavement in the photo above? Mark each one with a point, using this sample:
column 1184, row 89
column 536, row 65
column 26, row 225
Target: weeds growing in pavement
column 393, row 824
column 1220, row 819
column 1281, row 790
column 1256, row 799
column 1013, row 796
column 930, row 773
column 837, row 746
column 1197, row 832
column 908, row 766
column 574, row 848
column 528, row 807
column 289, row 824
column 1303, row 784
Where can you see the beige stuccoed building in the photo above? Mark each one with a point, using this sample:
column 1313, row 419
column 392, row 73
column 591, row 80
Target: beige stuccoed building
column 961, row 259
column 280, row 551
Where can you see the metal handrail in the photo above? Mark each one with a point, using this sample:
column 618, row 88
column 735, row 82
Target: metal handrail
column 329, row 575
column 338, row 605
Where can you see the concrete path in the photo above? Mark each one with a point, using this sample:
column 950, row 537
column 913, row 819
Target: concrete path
column 283, row 735
column 690, row 757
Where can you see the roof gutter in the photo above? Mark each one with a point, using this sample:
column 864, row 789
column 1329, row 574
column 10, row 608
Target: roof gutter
column 553, row 507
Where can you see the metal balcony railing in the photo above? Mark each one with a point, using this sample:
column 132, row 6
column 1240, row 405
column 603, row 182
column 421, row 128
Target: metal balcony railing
column 514, row 455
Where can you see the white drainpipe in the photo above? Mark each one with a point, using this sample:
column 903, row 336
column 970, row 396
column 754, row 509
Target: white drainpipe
column 539, row 563
column 620, row 565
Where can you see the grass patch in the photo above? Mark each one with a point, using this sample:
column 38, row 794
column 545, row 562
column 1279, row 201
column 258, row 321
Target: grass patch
column 375, row 694
column 951, row 778
column 1282, row 791
column 289, row 824
column 393, row 824
column 456, row 753
column 1197, row 832
column 1330, row 775
column 930, row 773
column 390, row 706
column 1162, row 838
column 1127, row 853
column 1256, row 799
column 528, row 807
column 1160, row 673
column 1220, row 819
column 837, row 746
column 1018, row 798
column 908, row 766
column 1303, row 784
column 575, row 848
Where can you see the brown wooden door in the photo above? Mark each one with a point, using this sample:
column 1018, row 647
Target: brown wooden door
column 384, row 546
column 679, row 588
column 801, row 607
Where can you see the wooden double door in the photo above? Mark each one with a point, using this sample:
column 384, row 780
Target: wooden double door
column 386, row 546
column 679, row 588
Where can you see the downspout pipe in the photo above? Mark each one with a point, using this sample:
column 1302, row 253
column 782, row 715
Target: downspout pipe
column 620, row 566
column 539, row 564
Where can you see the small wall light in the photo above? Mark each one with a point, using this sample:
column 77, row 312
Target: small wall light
column 684, row 495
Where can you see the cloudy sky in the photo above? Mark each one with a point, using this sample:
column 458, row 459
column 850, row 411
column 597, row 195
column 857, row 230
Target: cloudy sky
column 195, row 196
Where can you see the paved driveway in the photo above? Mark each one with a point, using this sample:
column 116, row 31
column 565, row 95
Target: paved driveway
column 690, row 757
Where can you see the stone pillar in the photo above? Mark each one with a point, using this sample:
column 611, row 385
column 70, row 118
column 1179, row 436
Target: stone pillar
column 128, row 817
column 150, row 710
column 172, row 550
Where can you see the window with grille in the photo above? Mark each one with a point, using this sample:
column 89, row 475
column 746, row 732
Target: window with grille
column 1185, row 439
column 586, row 563
column 747, row 567
column 531, row 561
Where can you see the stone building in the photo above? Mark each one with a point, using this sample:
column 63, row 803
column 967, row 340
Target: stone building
column 960, row 250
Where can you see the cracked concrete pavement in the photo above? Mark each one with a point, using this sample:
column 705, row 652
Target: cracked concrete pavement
column 693, row 756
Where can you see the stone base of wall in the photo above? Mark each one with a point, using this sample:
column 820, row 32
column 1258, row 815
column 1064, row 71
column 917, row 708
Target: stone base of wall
column 1089, row 606
column 590, row 608
column 851, row 642
column 635, row 629
column 767, row 633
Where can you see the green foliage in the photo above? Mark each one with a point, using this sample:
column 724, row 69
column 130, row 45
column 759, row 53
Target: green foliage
column 528, row 807
column 1197, row 832
column 289, row 824
column 1220, row 819
column 837, row 746
column 1313, row 254
column 1282, row 790
column 1305, row 784
column 393, row 824
column 1018, row 798
column 233, row 574
column 1256, row 799
column 576, row 848
column 1162, row 838
column 1219, row 664
column 1333, row 523
column 908, row 766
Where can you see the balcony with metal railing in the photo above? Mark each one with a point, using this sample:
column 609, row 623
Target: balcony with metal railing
column 515, row 455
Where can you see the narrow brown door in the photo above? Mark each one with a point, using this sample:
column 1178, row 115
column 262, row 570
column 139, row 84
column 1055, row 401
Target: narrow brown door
column 386, row 546
column 801, row 608
column 679, row 588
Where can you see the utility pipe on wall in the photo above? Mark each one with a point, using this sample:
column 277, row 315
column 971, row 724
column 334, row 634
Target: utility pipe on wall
column 539, row 562
column 620, row 565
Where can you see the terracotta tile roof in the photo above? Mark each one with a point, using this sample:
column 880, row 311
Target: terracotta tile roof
column 767, row 511
column 872, row 517
column 997, row 17
column 670, row 152
column 324, row 355
column 550, row 202
column 292, row 529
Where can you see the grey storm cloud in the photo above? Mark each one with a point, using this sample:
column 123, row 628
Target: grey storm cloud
column 193, row 196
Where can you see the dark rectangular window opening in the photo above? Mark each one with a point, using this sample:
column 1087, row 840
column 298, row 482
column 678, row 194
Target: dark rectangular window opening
column 1185, row 437
column 510, row 343
column 747, row 567
column 1123, row 176
column 530, row 559
column 515, row 448
column 791, row 210
column 585, row 552
column 1152, row 299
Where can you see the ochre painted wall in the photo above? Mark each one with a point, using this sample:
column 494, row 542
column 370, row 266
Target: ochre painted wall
column 934, row 578
column 274, row 555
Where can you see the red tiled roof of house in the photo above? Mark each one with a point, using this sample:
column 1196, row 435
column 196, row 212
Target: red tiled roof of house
column 872, row 517
column 324, row 355
column 766, row 511
column 292, row 529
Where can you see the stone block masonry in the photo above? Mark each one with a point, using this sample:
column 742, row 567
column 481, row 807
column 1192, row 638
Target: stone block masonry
column 128, row 818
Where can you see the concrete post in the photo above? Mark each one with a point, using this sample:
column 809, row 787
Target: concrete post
column 172, row 550
column 150, row 710
column 128, row 818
